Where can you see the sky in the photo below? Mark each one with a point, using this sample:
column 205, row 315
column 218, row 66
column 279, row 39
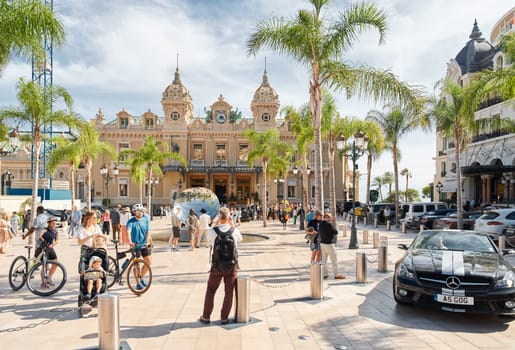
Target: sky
column 122, row 55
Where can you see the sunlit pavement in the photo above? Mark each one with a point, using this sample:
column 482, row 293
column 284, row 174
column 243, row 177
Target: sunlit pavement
column 283, row 315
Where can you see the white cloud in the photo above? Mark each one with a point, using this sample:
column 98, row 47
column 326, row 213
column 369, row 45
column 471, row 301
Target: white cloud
column 122, row 54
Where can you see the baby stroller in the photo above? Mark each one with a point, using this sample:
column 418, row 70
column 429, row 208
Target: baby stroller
column 85, row 302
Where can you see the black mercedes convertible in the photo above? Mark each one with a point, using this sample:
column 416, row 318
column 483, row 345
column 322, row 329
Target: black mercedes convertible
column 456, row 271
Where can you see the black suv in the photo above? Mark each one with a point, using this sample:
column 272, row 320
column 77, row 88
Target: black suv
column 428, row 219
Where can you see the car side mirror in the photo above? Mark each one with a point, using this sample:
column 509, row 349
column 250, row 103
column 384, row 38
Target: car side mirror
column 402, row 246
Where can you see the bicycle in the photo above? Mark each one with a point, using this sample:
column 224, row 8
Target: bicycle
column 26, row 270
column 133, row 266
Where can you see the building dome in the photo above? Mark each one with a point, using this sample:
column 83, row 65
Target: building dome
column 265, row 93
column 176, row 91
column 477, row 53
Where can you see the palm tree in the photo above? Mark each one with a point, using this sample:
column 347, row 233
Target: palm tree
column 147, row 161
column 396, row 123
column 388, row 180
column 407, row 173
column 311, row 39
column 302, row 127
column 25, row 24
column 36, row 108
column 67, row 150
column 89, row 147
column 266, row 146
column 374, row 149
column 378, row 181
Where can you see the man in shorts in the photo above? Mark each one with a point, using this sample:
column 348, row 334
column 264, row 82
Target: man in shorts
column 176, row 228
column 138, row 230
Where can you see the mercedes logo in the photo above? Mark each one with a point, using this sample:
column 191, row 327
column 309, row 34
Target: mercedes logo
column 453, row 282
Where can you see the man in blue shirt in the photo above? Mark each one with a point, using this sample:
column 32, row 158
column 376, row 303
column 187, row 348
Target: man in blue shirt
column 138, row 230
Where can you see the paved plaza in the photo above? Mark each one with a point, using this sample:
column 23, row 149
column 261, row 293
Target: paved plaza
column 283, row 315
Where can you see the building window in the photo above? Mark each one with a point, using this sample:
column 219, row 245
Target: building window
column 220, row 152
column 175, row 116
column 265, row 117
column 123, row 187
column 443, row 168
column 312, row 194
column 124, row 123
column 122, row 147
column 243, row 153
column 198, row 151
column 149, row 123
column 292, row 184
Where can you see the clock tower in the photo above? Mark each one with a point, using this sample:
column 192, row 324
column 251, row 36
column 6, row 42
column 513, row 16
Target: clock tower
column 177, row 104
column 265, row 106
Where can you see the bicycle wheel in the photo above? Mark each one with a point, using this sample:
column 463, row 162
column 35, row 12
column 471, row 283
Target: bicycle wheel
column 134, row 276
column 41, row 283
column 18, row 272
column 112, row 272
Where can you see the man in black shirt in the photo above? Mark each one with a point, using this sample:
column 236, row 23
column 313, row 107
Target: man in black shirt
column 328, row 235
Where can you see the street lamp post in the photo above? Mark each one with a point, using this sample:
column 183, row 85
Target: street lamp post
column 507, row 180
column 153, row 182
column 104, row 171
column 439, row 187
column 359, row 144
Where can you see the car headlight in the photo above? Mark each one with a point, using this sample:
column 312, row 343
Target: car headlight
column 508, row 281
column 404, row 272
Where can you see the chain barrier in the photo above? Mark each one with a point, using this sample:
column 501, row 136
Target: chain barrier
column 63, row 311
column 301, row 273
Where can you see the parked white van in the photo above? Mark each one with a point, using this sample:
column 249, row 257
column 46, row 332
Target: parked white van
column 411, row 211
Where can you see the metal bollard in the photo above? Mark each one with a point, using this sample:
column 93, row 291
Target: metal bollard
column 382, row 256
column 361, row 267
column 365, row 236
column 376, row 239
column 243, row 299
column 403, row 227
column 502, row 243
column 387, row 225
column 108, row 322
column 316, row 280
column 375, row 223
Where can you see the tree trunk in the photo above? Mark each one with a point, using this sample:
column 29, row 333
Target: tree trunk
column 316, row 112
column 459, row 199
column 35, row 182
column 305, row 189
column 265, row 199
column 369, row 172
column 149, row 190
column 396, row 183
column 87, row 180
column 72, row 183
column 331, row 151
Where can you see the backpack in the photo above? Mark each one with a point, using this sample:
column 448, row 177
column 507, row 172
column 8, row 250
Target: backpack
column 225, row 256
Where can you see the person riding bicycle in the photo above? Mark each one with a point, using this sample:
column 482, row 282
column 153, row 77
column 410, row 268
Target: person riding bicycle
column 138, row 230
column 49, row 238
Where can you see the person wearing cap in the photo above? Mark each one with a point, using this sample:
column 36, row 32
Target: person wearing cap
column 125, row 215
column 328, row 234
column 138, row 230
column 95, row 265
column 49, row 238
column 312, row 233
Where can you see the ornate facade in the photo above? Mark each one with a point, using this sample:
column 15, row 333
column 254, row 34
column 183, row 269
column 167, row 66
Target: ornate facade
column 488, row 161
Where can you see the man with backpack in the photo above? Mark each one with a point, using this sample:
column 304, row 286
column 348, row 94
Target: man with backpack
column 224, row 239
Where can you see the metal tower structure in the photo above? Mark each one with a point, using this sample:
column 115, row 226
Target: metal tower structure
column 42, row 72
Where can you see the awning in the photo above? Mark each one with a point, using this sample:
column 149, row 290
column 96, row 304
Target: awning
column 449, row 186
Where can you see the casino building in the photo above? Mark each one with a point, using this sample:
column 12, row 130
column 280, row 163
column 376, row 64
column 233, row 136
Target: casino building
column 488, row 161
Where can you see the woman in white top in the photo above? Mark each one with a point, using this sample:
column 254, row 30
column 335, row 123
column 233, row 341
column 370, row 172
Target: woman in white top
column 90, row 233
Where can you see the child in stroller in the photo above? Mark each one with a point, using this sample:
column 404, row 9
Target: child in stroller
column 92, row 270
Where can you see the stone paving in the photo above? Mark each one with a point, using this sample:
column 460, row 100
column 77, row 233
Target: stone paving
column 283, row 315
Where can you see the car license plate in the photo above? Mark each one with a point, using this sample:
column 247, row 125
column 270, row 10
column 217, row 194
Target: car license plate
column 454, row 299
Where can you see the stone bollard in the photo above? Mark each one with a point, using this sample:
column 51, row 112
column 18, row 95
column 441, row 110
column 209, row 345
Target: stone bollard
column 421, row 228
column 243, row 299
column 502, row 243
column 382, row 256
column 344, row 230
column 361, row 267
column 365, row 236
column 316, row 280
column 376, row 240
column 387, row 225
column 108, row 321
column 403, row 227
column 376, row 223
column 364, row 220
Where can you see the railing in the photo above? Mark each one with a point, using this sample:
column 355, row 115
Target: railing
column 490, row 135
column 197, row 162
